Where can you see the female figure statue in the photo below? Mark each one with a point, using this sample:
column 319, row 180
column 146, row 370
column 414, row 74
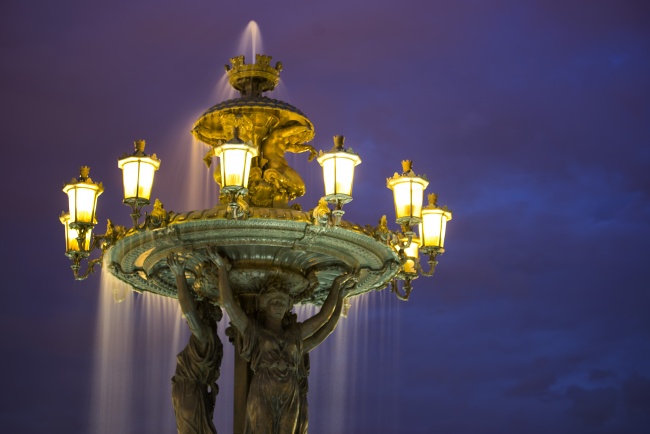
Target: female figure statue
column 309, row 344
column 194, row 387
column 275, row 349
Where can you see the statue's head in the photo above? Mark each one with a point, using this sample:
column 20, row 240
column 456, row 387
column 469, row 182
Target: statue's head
column 274, row 300
column 209, row 312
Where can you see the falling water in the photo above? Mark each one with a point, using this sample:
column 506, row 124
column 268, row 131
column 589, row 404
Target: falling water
column 138, row 336
column 137, row 339
column 111, row 397
column 223, row 90
column 202, row 193
column 340, row 366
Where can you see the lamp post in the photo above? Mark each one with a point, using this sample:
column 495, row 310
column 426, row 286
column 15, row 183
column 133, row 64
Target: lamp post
column 264, row 240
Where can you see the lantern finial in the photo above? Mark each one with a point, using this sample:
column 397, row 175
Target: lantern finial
column 338, row 142
column 84, row 171
column 139, row 146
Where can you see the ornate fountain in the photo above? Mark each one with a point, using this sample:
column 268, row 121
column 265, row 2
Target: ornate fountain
column 254, row 227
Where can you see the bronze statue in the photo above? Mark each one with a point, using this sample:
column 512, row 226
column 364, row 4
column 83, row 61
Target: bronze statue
column 309, row 344
column 194, row 387
column 274, row 180
column 276, row 347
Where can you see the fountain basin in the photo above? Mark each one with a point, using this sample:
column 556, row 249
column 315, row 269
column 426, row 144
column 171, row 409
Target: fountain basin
column 272, row 242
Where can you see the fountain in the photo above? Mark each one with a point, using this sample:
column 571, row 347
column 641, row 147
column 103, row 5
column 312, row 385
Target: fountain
column 255, row 254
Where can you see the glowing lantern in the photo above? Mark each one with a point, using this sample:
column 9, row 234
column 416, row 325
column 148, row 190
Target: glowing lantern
column 408, row 190
column 434, row 225
column 137, row 174
column 236, row 156
column 338, row 171
column 82, row 198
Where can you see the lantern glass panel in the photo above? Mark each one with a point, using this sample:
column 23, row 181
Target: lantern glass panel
column 71, row 242
column 408, row 195
column 434, row 227
column 137, row 176
column 235, row 165
column 82, row 199
column 338, row 173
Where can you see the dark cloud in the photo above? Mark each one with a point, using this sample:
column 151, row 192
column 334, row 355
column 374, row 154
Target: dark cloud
column 536, row 385
column 636, row 395
column 600, row 374
column 593, row 407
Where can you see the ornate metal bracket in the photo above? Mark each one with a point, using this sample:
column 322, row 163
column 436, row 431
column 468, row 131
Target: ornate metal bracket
column 407, row 288
column 78, row 256
column 238, row 208
column 158, row 218
column 101, row 242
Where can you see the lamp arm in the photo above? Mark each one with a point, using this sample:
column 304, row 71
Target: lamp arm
column 101, row 242
column 158, row 218
column 90, row 268
column 237, row 207
column 394, row 288
column 407, row 242
column 432, row 267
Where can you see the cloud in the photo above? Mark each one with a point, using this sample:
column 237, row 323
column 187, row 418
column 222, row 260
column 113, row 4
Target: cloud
column 535, row 385
column 600, row 374
column 636, row 395
column 593, row 407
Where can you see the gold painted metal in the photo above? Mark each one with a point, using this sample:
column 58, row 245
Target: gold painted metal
column 253, row 79
column 274, row 127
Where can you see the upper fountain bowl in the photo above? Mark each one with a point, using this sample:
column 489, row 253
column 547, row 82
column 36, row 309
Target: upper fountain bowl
column 253, row 79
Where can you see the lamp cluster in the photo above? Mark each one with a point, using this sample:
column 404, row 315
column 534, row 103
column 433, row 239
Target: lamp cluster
column 236, row 156
column 137, row 174
column 408, row 192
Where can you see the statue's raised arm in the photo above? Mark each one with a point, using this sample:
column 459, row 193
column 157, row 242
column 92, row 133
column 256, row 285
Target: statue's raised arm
column 194, row 387
column 313, row 324
column 322, row 333
column 186, row 300
column 237, row 315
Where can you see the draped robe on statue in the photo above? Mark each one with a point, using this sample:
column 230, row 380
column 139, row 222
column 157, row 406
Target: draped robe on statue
column 273, row 404
column 194, row 387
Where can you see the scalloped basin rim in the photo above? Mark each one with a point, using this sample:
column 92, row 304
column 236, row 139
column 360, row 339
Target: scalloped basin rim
column 305, row 256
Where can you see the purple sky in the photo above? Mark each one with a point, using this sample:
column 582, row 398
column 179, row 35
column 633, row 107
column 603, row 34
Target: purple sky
column 530, row 118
